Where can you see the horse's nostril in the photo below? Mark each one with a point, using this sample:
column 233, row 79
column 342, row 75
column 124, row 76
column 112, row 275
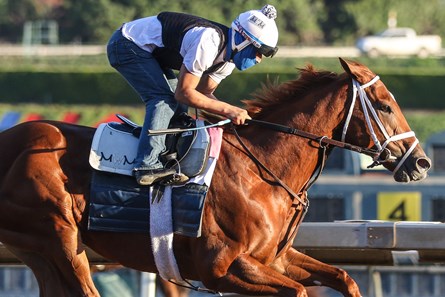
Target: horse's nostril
column 423, row 163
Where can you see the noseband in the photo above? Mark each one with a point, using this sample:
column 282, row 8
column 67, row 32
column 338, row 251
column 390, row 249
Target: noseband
column 383, row 154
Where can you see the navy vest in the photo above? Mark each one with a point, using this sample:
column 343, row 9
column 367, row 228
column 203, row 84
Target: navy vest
column 174, row 26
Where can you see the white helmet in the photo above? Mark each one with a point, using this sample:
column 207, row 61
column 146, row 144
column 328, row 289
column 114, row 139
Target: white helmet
column 258, row 27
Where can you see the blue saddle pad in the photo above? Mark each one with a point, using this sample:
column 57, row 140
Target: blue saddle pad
column 119, row 204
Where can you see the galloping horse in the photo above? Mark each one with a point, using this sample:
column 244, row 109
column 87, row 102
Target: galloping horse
column 252, row 210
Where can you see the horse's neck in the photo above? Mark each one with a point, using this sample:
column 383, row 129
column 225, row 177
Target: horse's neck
column 291, row 157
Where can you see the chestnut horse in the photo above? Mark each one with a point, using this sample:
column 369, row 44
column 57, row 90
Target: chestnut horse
column 251, row 213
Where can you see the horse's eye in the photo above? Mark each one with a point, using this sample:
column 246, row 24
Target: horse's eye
column 385, row 108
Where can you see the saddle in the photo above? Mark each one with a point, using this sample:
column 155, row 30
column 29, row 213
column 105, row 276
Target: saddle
column 119, row 204
column 114, row 146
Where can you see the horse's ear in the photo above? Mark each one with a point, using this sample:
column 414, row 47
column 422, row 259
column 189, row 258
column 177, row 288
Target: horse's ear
column 357, row 71
column 347, row 67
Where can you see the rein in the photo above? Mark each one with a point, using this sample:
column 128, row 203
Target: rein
column 277, row 179
column 304, row 202
column 322, row 140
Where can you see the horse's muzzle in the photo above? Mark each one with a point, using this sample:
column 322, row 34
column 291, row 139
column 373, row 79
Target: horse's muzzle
column 414, row 169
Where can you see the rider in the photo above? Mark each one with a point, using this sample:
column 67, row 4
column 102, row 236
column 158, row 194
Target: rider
column 144, row 52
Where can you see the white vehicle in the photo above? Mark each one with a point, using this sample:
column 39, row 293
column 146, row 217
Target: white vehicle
column 400, row 42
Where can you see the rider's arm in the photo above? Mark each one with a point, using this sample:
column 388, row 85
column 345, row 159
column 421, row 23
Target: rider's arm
column 196, row 92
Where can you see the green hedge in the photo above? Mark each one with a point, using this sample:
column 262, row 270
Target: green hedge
column 417, row 91
column 412, row 91
column 65, row 87
column 424, row 123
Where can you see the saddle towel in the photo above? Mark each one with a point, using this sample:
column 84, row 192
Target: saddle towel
column 114, row 150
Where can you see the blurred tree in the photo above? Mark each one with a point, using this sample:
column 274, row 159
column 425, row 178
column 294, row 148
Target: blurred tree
column 337, row 23
column 301, row 22
column 92, row 21
column 14, row 14
column 298, row 22
column 425, row 19
column 3, row 18
column 372, row 16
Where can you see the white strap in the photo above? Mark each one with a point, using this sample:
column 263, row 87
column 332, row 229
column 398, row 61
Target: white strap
column 367, row 107
column 351, row 111
column 399, row 137
column 406, row 155
column 370, row 83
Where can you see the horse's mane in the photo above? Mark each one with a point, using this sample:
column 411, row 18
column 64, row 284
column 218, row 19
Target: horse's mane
column 273, row 93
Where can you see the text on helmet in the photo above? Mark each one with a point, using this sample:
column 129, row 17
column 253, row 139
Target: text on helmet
column 256, row 21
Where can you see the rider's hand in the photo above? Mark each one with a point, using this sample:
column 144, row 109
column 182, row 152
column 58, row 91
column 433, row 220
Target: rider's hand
column 238, row 115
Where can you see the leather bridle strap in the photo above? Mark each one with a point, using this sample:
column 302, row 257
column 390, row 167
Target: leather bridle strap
column 303, row 193
column 322, row 140
column 277, row 179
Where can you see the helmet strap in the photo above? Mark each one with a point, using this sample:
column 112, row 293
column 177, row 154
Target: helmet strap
column 237, row 48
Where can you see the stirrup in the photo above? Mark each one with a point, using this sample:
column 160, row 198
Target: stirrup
column 176, row 179
column 147, row 177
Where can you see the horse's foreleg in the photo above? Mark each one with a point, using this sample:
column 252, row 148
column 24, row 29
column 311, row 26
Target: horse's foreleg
column 76, row 273
column 247, row 276
column 311, row 272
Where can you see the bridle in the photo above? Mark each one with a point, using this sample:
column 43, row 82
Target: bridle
column 325, row 141
column 367, row 109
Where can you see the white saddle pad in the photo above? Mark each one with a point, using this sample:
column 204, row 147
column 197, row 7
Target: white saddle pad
column 113, row 150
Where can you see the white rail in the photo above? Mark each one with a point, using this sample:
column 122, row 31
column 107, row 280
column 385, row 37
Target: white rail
column 352, row 243
column 373, row 242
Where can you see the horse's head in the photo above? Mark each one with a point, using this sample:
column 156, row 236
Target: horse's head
column 376, row 116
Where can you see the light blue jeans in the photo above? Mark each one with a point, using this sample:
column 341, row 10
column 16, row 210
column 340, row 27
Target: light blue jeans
column 143, row 73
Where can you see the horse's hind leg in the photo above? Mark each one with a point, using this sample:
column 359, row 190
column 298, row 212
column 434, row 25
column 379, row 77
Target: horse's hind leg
column 54, row 280
column 39, row 218
column 311, row 272
column 54, row 252
column 52, row 249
